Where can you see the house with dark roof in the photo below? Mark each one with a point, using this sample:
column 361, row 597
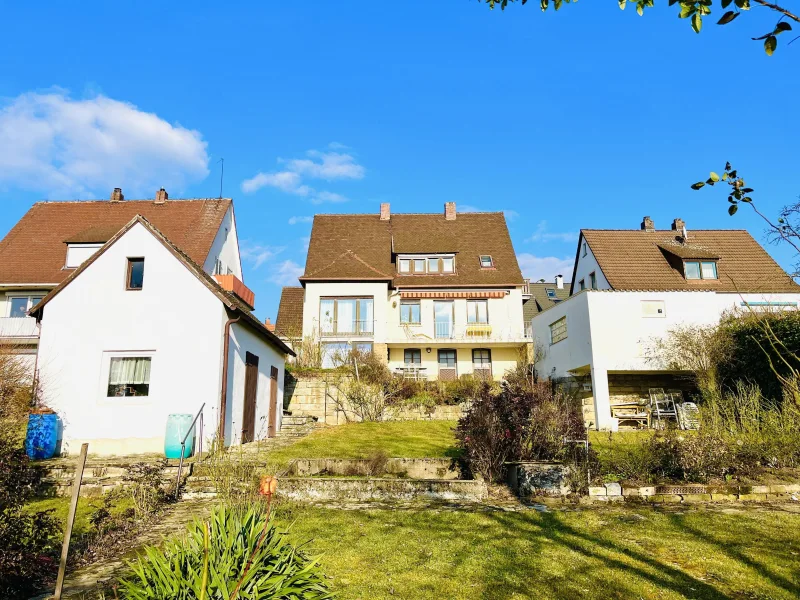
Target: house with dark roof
column 541, row 295
column 437, row 295
column 629, row 288
column 133, row 327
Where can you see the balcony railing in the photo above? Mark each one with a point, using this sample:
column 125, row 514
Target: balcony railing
column 18, row 327
column 349, row 328
column 464, row 333
column 526, row 287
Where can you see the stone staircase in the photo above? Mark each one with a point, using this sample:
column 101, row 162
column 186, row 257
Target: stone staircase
column 296, row 426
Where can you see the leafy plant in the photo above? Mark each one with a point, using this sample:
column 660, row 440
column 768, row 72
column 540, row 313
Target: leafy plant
column 237, row 553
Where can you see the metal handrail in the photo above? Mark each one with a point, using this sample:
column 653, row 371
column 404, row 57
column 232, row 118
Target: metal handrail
column 199, row 415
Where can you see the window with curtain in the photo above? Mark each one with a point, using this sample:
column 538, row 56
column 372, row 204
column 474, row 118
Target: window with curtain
column 129, row 376
column 477, row 311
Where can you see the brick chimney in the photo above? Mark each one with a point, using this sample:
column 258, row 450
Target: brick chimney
column 116, row 195
column 450, row 211
column 648, row 225
column 678, row 225
column 161, row 196
column 385, row 212
column 269, row 325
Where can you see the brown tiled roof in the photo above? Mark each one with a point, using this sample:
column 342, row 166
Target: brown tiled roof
column 539, row 300
column 359, row 247
column 35, row 250
column 229, row 299
column 289, row 322
column 638, row 260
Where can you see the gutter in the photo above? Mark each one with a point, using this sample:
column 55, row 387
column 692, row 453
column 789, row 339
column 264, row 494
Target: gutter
column 223, row 395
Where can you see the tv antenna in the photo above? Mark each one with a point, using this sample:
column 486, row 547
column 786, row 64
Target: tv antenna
column 221, row 175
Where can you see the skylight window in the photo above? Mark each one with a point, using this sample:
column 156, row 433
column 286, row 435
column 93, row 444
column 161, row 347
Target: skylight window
column 486, row 262
column 551, row 293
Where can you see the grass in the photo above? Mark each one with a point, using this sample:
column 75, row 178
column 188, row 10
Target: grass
column 86, row 506
column 606, row 552
column 407, row 439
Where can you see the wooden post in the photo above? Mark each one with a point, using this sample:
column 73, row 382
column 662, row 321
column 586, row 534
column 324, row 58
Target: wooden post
column 73, row 506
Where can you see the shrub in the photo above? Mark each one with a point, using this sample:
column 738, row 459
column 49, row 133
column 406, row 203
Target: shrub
column 146, row 489
column 517, row 424
column 237, row 549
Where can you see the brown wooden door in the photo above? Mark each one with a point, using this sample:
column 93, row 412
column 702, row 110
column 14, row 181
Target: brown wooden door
column 250, row 393
column 273, row 401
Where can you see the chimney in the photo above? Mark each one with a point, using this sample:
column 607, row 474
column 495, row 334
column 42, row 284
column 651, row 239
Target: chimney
column 269, row 325
column 385, row 212
column 678, row 225
column 450, row 211
column 560, row 282
column 648, row 225
column 161, row 196
column 116, row 195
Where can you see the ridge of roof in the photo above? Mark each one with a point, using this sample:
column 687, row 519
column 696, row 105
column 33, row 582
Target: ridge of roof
column 106, row 201
column 664, row 230
column 402, row 214
column 227, row 298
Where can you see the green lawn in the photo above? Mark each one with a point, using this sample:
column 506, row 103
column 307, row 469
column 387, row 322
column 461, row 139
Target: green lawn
column 605, row 552
column 407, row 439
column 86, row 506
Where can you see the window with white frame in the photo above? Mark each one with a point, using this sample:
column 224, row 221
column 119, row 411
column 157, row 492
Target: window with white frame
column 697, row 269
column 78, row 253
column 346, row 315
column 486, row 262
column 482, row 363
column 410, row 312
column 18, row 306
column 477, row 311
column 558, row 330
column 129, row 376
column 426, row 265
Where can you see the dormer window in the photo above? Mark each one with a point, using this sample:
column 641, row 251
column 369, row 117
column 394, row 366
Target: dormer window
column 696, row 269
column 424, row 265
column 486, row 262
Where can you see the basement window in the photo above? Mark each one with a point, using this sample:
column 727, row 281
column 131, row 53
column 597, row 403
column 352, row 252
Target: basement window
column 134, row 279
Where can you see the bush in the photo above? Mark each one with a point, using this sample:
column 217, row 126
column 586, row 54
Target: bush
column 237, row 548
column 146, row 489
column 517, row 424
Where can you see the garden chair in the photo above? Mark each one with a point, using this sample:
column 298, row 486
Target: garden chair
column 688, row 415
column 662, row 407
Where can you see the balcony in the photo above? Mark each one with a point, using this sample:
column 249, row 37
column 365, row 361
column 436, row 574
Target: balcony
column 18, row 328
column 347, row 329
column 234, row 285
column 470, row 333
column 526, row 288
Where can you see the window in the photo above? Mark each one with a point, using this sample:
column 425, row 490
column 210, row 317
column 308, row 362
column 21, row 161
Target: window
column 18, row 306
column 653, row 308
column 482, row 363
column 447, row 365
column 405, row 265
column 551, row 293
column 448, row 265
column 486, row 262
column 433, row 265
column 129, row 376
column 584, row 248
column 421, row 265
column 78, row 253
column 412, row 356
column 135, row 277
column 593, row 280
column 477, row 311
column 409, row 312
column 343, row 316
column 334, row 354
column 582, row 285
column 694, row 269
column 558, row 330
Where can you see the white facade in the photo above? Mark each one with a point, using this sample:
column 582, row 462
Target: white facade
column 612, row 331
column 587, row 267
column 225, row 249
column 175, row 320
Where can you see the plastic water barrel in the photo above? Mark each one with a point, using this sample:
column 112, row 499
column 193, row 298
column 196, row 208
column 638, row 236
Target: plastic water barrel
column 177, row 426
column 42, row 436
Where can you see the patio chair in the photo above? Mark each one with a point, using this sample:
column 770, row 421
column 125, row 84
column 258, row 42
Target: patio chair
column 662, row 407
column 688, row 415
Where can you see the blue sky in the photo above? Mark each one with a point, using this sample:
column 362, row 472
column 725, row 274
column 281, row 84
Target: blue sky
column 590, row 117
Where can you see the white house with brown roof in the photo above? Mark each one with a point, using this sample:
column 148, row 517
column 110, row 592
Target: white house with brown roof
column 141, row 327
column 438, row 295
column 631, row 287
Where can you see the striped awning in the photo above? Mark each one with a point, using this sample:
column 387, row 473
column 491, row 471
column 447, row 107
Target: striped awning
column 453, row 295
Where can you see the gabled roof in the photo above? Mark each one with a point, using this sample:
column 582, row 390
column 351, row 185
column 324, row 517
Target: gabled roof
column 35, row 250
column 651, row 260
column 362, row 247
column 230, row 301
column 540, row 301
column 289, row 322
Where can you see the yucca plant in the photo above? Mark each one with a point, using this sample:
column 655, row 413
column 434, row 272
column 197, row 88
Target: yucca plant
column 237, row 554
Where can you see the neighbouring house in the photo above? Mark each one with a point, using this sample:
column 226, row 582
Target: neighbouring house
column 437, row 295
column 541, row 295
column 149, row 318
column 289, row 322
column 631, row 287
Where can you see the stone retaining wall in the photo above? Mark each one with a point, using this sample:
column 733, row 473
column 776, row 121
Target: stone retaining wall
column 412, row 468
column 361, row 490
column 614, row 492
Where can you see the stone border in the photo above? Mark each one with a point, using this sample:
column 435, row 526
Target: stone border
column 615, row 492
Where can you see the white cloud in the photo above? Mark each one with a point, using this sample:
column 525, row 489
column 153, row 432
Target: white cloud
column 327, row 166
column 542, row 235
column 258, row 254
column 52, row 143
column 287, row 273
column 296, row 220
column 544, row 267
column 468, row 208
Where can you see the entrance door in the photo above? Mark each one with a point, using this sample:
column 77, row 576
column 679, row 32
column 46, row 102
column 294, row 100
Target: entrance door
column 273, row 401
column 250, row 393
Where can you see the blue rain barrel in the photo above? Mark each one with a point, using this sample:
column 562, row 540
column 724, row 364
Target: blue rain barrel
column 42, row 436
column 177, row 426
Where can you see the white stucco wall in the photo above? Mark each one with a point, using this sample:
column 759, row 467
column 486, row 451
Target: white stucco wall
column 243, row 340
column 174, row 318
column 225, row 247
column 378, row 291
column 585, row 266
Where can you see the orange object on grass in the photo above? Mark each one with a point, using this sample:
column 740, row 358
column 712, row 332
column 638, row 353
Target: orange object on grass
column 268, row 485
